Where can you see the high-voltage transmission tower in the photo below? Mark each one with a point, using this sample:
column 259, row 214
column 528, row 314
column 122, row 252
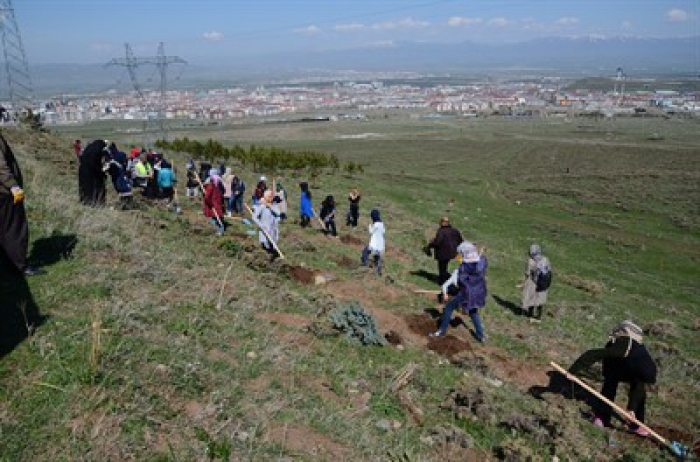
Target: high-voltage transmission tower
column 161, row 62
column 19, row 82
column 620, row 79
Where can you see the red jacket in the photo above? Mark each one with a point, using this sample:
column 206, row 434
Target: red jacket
column 213, row 201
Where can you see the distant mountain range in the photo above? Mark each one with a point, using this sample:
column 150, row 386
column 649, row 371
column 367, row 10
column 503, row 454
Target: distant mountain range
column 588, row 55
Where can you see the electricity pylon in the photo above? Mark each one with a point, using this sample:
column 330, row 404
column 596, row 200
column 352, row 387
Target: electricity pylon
column 161, row 61
column 19, row 82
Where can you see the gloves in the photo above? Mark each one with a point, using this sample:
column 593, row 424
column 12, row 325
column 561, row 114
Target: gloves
column 17, row 194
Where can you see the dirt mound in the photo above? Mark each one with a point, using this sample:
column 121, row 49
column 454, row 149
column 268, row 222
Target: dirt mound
column 301, row 440
column 393, row 338
column 347, row 239
column 662, row 328
column 448, row 346
column 303, row 275
column 347, row 262
column 421, row 324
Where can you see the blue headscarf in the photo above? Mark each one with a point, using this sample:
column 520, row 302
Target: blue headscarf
column 375, row 216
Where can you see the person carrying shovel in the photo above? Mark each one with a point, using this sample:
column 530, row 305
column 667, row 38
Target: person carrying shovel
column 625, row 359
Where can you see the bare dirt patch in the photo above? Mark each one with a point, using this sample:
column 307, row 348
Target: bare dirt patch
column 303, row 275
column 295, row 321
column 346, row 262
column 302, row 440
column 347, row 239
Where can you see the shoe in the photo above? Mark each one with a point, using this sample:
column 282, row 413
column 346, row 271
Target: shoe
column 435, row 334
column 31, row 271
column 598, row 422
column 640, row 431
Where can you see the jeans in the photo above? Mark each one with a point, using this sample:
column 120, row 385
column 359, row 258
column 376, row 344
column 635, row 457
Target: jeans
column 237, row 203
column 473, row 314
column 330, row 227
column 377, row 257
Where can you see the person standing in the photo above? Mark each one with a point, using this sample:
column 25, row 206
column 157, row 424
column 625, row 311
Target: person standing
column 238, row 191
column 306, row 207
column 445, row 247
column 166, row 180
column 260, row 189
column 267, row 218
column 470, row 277
column 227, row 179
column 327, row 215
column 281, row 200
column 91, row 173
column 213, row 201
column 625, row 359
column 376, row 245
column 14, row 229
column 192, row 185
column 354, row 212
column 538, row 277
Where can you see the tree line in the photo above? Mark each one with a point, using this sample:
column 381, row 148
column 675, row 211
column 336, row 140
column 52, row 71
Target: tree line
column 261, row 158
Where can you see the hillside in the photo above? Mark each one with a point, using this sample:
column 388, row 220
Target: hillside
column 164, row 342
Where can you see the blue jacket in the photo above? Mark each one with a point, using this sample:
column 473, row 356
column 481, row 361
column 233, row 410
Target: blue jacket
column 166, row 178
column 472, row 281
column 306, row 207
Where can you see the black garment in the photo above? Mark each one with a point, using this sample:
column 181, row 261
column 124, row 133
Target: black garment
column 327, row 214
column 19, row 314
column 443, row 274
column 354, row 212
column 305, row 221
column 14, row 232
column 10, row 174
column 446, row 242
column 624, row 360
column 91, row 176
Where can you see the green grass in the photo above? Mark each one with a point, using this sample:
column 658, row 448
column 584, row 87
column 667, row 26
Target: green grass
column 176, row 381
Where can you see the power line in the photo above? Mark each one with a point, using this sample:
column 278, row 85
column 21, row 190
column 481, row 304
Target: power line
column 19, row 82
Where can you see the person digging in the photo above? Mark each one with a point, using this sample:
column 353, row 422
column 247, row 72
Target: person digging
column 625, row 359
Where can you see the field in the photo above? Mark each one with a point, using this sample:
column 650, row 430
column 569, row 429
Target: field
column 164, row 342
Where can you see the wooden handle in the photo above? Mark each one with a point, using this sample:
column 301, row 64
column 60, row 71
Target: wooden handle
column 617, row 408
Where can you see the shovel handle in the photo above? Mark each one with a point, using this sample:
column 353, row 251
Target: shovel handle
column 617, row 408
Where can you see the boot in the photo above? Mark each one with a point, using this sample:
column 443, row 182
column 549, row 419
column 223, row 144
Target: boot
column 538, row 313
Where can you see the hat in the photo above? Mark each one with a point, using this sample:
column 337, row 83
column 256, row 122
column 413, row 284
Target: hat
column 472, row 257
column 629, row 329
column 464, row 248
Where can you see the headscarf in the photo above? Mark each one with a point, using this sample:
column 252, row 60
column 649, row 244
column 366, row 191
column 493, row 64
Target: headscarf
column 535, row 251
column 374, row 214
column 629, row 329
column 465, row 248
column 214, row 176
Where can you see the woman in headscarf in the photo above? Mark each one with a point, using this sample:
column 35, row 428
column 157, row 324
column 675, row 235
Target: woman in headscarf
column 267, row 218
column 470, row 278
column 327, row 215
column 535, row 286
column 376, row 245
column 625, row 359
column 91, row 173
column 306, row 208
column 213, row 201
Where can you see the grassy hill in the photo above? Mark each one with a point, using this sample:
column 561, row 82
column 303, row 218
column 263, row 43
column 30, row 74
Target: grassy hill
column 164, row 342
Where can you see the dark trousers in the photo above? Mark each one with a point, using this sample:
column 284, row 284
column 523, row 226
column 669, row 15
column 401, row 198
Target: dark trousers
column 305, row 220
column 376, row 257
column 443, row 275
column 330, row 227
column 611, row 380
column 353, row 216
column 14, row 232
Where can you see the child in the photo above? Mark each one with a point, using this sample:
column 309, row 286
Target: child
column 328, row 215
column 306, row 208
column 354, row 212
column 376, row 242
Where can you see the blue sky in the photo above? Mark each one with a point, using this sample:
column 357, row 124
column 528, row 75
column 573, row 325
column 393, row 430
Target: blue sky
column 93, row 31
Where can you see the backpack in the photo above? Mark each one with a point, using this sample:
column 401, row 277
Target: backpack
column 543, row 275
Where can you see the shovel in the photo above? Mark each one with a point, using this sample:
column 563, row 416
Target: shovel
column 678, row 449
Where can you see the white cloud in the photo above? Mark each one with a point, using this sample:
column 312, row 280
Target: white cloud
column 499, row 22
column 406, row 23
column 531, row 24
column 459, row 21
column 349, row 27
column 311, row 30
column 677, row 15
column 213, row 36
column 566, row 21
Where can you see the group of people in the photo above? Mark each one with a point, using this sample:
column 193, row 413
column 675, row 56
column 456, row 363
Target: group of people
column 625, row 358
column 144, row 170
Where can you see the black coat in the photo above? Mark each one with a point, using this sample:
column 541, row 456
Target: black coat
column 91, row 176
column 445, row 243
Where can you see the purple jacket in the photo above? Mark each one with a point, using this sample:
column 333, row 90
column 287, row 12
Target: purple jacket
column 472, row 281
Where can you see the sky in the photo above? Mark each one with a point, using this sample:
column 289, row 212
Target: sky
column 94, row 31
